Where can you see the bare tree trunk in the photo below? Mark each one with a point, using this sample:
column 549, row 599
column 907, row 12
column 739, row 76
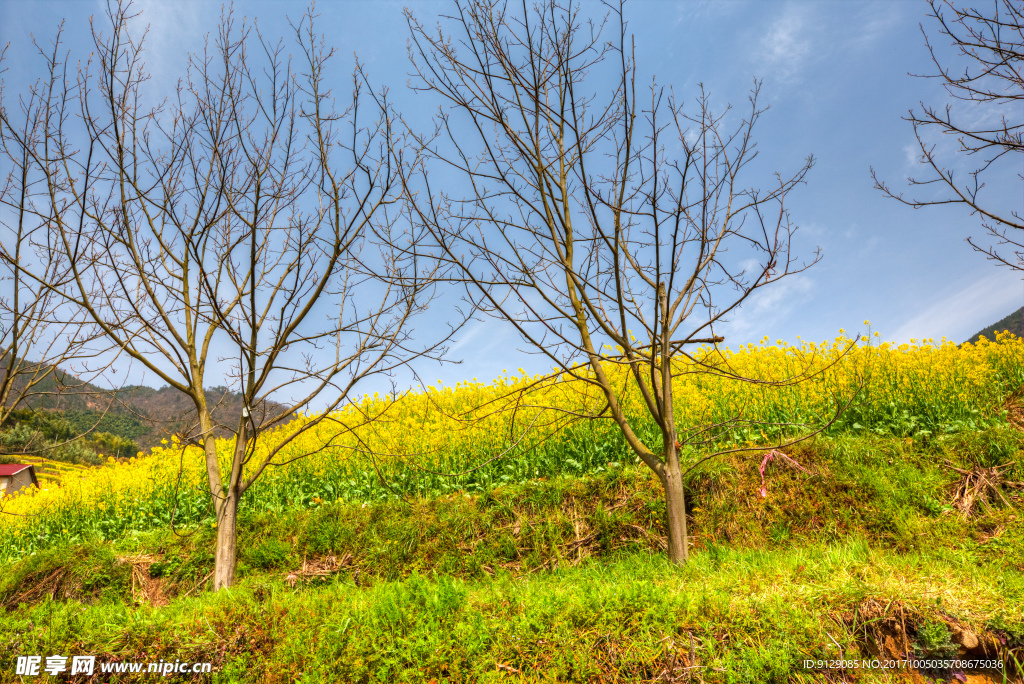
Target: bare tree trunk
column 227, row 542
column 234, row 217
column 675, row 511
column 601, row 228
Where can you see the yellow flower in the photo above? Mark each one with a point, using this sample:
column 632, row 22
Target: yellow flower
column 430, row 427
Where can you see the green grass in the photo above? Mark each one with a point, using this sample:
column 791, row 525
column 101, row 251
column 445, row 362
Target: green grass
column 753, row 615
column 561, row 578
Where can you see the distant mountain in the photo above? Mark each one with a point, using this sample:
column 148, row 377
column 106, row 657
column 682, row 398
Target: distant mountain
column 143, row 414
column 1014, row 323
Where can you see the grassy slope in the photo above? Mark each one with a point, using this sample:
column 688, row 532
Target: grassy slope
column 561, row 580
column 1011, row 323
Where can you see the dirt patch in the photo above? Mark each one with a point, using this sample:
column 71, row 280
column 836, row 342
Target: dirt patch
column 87, row 578
column 1015, row 410
column 83, row 574
column 625, row 520
column 888, row 630
column 146, row 589
column 982, row 678
column 880, row 629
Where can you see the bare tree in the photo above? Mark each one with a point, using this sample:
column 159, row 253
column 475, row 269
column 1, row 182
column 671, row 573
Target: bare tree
column 28, row 354
column 37, row 334
column 244, row 228
column 990, row 43
column 595, row 223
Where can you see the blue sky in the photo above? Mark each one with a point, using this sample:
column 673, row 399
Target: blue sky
column 836, row 77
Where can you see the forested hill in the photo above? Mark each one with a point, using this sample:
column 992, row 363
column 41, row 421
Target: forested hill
column 140, row 413
column 1014, row 323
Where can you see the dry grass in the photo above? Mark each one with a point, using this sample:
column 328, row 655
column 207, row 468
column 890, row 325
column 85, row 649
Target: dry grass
column 50, row 585
column 318, row 568
column 981, row 488
column 145, row 588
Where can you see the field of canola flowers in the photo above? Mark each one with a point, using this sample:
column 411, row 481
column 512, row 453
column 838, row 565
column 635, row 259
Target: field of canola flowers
column 414, row 444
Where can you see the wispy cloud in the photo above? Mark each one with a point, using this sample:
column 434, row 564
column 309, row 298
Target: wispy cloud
column 912, row 152
column 872, row 23
column 960, row 313
column 787, row 44
column 485, row 347
column 947, row 149
column 701, row 10
column 173, row 30
column 470, row 335
column 804, row 34
column 765, row 308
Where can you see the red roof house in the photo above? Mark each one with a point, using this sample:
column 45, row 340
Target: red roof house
column 16, row 476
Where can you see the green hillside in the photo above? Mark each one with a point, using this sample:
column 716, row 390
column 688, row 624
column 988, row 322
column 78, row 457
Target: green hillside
column 1014, row 323
column 139, row 413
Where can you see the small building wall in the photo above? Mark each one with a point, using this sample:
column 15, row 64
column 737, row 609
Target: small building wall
column 14, row 483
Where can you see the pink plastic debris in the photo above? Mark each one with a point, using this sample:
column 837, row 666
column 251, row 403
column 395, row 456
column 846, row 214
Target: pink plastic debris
column 769, row 456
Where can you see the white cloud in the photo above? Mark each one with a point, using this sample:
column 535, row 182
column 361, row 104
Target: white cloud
column 787, row 45
column 913, row 154
column 946, row 148
column 173, row 30
column 765, row 308
column 704, row 10
column 804, row 33
column 875, row 20
column 962, row 311
column 870, row 244
column 472, row 332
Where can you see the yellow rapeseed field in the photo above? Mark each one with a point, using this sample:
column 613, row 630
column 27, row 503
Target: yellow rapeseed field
column 904, row 389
